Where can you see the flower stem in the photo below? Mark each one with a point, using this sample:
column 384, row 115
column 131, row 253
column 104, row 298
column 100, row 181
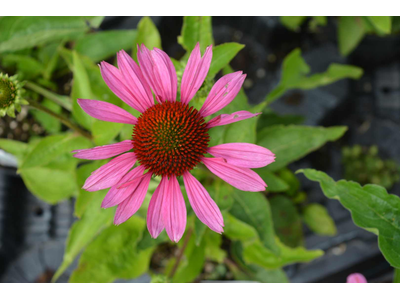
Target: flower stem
column 63, row 101
column 62, row 119
column 180, row 254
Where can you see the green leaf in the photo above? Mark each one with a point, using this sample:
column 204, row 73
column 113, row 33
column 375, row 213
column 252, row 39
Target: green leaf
column 49, row 123
column 292, row 22
column 196, row 29
column 83, row 231
column 192, row 264
column 371, row 207
column 101, row 45
column 291, row 180
column 289, row 143
column 351, row 31
column 80, row 89
column 275, row 184
column 104, row 132
column 147, row 34
column 287, row 222
column 382, row 24
column 222, row 55
column 49, row 148
column 16, row 148
column 295, row 69
column 270, row 118
column 256, row 253
column 318, row 220
column 17, row 33
column 237, row 230
column 222, row 194
column 254, row 209
column 213, row 251
column 27, row 66
column 113, row 255
column 199, row 230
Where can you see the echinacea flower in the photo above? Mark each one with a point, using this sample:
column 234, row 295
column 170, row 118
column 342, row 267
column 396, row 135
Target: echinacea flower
column 10, row 95
column 169, row 139
column 356, row 278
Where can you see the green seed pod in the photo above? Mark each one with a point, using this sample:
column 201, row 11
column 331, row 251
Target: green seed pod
column 10, row 95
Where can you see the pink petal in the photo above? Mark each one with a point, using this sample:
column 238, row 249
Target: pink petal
column 232, row 118
column 243, row 154
column 106, row 111
column 135, row 80
column 116, row 195
column 103, row 152
column 154, row 213
column 203, row 206
column 174, row 210
column 109, row 174
column 131, row 205
column 116, row 82
column 159, row 72
column 222, row 93
column 356, row 278
column 241, row 178
column 195, row 72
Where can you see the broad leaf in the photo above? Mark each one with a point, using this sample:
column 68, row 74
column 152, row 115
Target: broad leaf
column 18, row 33
column 196, row 29
column 254, row 209
column 16, row 148
column 237, row 230
column 113, row 255
column 289, row 143
column 275, row 184
column 351, row 31
column 101, row 45
column 382, row 24
column 318, row 219
column 222, row 55
column 292, row 22
column 371, row 207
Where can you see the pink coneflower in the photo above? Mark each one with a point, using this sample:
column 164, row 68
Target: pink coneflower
column 169, row 139
column 356, row 278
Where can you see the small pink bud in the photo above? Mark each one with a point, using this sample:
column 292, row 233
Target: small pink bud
column 356, row 278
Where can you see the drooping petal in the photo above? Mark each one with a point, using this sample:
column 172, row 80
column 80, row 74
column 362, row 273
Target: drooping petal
column 174, row 210
column 116, row 195
column 243, row 154
column 131, row 205
column 231, row 118
column 116, row 82
column 106, row 111
column 134, row 78
column 154, row 213
column 109, row 174
column 203, row 206
column 222, row 93
column 159, row 72
column 103, row 152
column 195, row 72
column 356, row 278
column 241, row 178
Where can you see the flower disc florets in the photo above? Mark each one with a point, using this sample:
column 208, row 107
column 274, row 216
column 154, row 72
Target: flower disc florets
column 10, row 95
column 170, row 138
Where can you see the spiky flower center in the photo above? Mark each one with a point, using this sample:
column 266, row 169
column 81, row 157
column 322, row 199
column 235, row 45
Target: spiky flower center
column 170, row 138
column 7, row 92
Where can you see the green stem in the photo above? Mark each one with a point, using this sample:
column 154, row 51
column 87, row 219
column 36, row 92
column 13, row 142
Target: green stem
column 396, row 277
column 180, row 254
column 60, row 100
column 62, row 119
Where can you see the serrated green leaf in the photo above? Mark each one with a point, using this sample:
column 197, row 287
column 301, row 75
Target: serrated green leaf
column 254, row 209
column 222, row 55
column 289, row 143
column 101, row 45
column 318, row 219
column 196, row 29
column 351, row 31
column 147, row 34
column 18, row 33
column 113, row 255
column 371, row 207
column 287, row 221
column 256, row 253
column 49, row 148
